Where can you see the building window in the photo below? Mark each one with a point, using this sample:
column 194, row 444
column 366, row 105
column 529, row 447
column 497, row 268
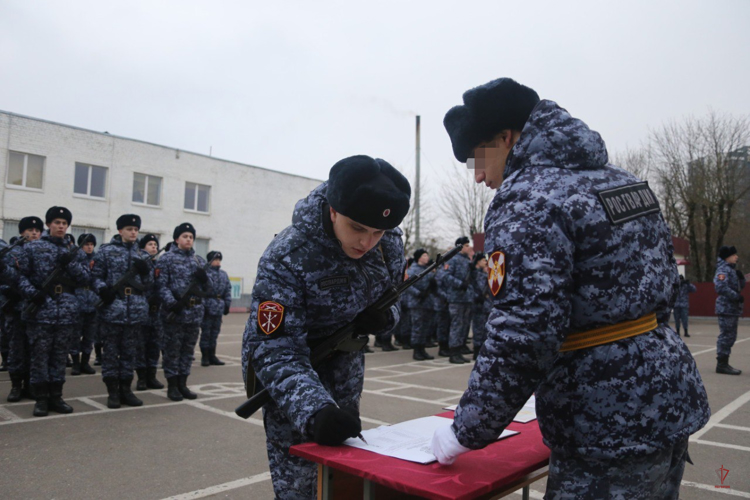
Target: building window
column 147, row 189
column 90, row 180
column 201, row 246
column 25, row 170
column 197, row 197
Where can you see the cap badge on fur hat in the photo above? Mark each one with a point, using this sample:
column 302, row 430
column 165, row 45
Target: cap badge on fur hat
column 386, row 212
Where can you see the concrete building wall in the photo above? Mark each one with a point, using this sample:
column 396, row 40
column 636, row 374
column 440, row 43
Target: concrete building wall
column 247, row 206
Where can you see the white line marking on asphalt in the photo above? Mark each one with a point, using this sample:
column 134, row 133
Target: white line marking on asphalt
column 733, row 427
column 373, row 421
column 726, row 491
column 714, row 348
column 721, row 415
column 721, row 445
column 406, row 398
column 219, row 488
column 93, row 403
column 8, row 415
column 218, row 411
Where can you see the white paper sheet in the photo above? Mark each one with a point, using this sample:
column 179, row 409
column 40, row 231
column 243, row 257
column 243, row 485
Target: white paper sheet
column 408, row 440
column 524, row 415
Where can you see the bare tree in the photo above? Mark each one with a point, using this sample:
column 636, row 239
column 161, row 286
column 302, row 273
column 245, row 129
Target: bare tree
column 638, row 162
column 701, row 166
column 464, row 202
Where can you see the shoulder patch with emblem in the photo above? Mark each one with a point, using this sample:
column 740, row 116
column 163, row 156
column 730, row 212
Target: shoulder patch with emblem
column 626, row 203
column 496, row 276
column 722, row 277
column 271, row 317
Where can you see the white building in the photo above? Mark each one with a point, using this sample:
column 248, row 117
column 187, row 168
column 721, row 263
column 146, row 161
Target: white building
column 235, row 208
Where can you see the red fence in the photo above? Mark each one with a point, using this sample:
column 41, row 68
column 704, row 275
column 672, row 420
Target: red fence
column 703, row 301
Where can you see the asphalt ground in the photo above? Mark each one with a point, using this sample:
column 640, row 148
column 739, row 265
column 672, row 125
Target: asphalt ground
column 200, row 449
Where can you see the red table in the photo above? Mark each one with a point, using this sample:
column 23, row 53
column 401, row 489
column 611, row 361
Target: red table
column 495, row 471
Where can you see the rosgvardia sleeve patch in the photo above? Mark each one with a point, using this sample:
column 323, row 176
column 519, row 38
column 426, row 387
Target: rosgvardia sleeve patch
column 626, row 203
column 271, row 318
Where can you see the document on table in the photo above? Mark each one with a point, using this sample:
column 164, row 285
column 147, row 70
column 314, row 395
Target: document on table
column 408, row 440
column 524, row 415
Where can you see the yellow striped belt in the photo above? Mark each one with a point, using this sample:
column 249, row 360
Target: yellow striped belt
column 611, row 333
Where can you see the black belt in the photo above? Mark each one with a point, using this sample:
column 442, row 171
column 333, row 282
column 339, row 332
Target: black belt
column 61, row 289
column 194, row 301
column 129, row 290
column 153, row 309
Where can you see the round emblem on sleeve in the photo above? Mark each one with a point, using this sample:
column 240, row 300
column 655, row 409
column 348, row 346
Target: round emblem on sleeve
column 496, row 277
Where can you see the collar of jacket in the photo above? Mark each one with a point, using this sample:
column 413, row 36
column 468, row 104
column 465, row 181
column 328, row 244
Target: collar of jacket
column 117, row 240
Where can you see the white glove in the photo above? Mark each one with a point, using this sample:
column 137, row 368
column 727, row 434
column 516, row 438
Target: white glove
column 445, row 446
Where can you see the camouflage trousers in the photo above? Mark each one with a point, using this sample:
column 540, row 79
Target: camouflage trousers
column 727, row 335
column 4, row 339
column 210, row 328
column 422, row 325
column 654, row 476
column 119, row 349
column 479, row 327
column 179, row 348
column 402, row 332
column 49, row 346
column 442, row 324
column 460, row 324
column 83, row 338
column 149, row 345
column 19, row 357
column 680, row 317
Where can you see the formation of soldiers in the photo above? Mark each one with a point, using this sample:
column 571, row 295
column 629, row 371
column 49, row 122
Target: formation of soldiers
column 129, row 303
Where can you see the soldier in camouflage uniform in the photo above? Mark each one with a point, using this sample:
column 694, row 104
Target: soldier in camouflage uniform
column 342, row 252
column 83, row 338
column 19, row 357
column 176, row 272
column 420, row 299
column 729, row 282
column 149, row 344
column 682, row 305
column 50, row 327
column 218, row 301
column 442, row 315
column 124, row 309
column 482, row 302
column 456, row 280
column 574, row 244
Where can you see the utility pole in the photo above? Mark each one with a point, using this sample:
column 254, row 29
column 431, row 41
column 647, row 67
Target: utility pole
column 416, row 190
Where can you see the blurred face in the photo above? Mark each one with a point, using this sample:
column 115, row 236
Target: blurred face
column 185, row 241
column 32, row 234
column 129, row 234
column 489, row 158
column 482, row 264
column 88, row 247
column 356, row 239
column 424, row 259
column 58, row 228
column 151, row 247
column 732, row 259
column 467, row 250
column 216, row 263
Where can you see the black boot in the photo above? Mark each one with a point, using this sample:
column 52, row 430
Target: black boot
column 431, row 343
column 56, row 402
column 377, row 343
column 464, row 349
column 406, row 345
column 388, row 346
column 173, row 391
column 85, row 366
column 366, row 349
column 76, row 366
column 420, row 354
column 141, row 384
column 98, row 352
column 28, row 392
column 186, row 393
column 722, row 366
column 205, row 361
column 16, row 390
column 126, row 395
column 456, row 357
column 113, row 391
column 444, row 351
column 151, row 381
column 213, row 359
column 686, row 333
column 476, row 353
column 41, row 394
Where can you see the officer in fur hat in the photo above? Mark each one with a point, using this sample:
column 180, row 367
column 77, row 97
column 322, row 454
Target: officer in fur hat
column 218, row 300
column 729, row 282
column 149, row 344
column 83, row 342
column 456, row 280
column 582, row 276
column 342, row 252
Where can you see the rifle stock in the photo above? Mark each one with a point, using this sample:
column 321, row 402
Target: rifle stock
column 125, row 278
column 31, row 308
column 342, row 336
column 192, row 288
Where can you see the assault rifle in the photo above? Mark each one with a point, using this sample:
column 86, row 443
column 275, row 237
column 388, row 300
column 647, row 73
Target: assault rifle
column 52, row 280
column 126, row 277
column 345, row 339
column 5, row 251
column 194, row 288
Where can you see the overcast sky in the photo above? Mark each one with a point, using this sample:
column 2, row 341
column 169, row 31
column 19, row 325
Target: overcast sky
column 296, row 86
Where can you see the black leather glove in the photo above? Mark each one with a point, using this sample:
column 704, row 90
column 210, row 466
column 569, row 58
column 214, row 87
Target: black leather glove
column 39, row 298
column 67, row 258
column 742, row 299
column 464, row 286
column 107, row 295
column 226, row 309
column 154, row 300
column 740, row 276
column 371, row 321
column 333, row 425
column 141, row 266
column 201, row 275
column 175, row 308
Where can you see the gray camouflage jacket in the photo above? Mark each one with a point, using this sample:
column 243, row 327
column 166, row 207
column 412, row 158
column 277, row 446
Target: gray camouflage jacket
column 569, row 268
column 87, row 296
column 421, row 295
column 307, row 288
column 220, row 292
column 729, row 287
column 458, row 274
column 683, row 299
column 174, row 273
